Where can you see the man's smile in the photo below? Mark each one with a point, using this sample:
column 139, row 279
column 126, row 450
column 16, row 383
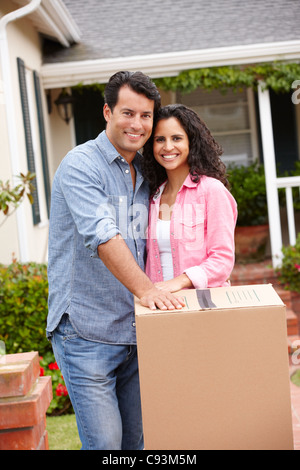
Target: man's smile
column 133, row 136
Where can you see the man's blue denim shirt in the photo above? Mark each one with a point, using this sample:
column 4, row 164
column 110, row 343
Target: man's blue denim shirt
column 92, row 201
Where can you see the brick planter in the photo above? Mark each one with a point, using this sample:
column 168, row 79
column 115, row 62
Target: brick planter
column 251, row 243
column 24, row 400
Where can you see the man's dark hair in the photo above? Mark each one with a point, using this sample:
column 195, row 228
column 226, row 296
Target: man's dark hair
column 137, row 81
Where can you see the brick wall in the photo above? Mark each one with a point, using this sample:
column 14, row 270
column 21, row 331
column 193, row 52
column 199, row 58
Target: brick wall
column 24, row 400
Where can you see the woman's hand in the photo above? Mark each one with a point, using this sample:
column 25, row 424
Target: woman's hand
column 176, row 284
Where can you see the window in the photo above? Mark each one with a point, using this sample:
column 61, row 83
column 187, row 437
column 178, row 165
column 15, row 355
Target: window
column 231, row 119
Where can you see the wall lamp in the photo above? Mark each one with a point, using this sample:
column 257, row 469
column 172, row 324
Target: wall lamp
column 64, row 105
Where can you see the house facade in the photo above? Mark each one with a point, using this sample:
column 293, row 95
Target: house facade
column 50, row 46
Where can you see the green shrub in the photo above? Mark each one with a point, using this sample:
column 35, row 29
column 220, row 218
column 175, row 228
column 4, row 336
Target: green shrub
column 23, row 307
column 248, row 186
column 289, row 271
column 23, row 317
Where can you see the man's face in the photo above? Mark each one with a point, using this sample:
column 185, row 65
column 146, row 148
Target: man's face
column 129, row 126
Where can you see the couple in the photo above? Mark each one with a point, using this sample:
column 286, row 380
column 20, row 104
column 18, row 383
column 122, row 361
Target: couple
column 93, row 271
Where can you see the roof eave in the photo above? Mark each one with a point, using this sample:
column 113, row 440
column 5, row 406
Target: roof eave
column 58, row 14
column 66, row 74
column 53, row 20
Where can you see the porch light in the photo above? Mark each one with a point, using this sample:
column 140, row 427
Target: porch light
column 64, row 105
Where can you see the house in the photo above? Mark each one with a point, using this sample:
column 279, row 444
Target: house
column 70, row 46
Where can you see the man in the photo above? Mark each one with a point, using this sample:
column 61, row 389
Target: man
column 96, row 263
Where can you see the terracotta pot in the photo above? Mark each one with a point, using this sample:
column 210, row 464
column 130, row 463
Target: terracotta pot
column 251, row 243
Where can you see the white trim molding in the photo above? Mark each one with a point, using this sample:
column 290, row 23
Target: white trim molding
column 63, row 74
column 53, row 19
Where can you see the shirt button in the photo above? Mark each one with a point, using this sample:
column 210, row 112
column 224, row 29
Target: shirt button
column 133, row 324
column 127, row 171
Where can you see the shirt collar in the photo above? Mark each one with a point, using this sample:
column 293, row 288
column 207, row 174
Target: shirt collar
column 188, row 182
column 109, row 151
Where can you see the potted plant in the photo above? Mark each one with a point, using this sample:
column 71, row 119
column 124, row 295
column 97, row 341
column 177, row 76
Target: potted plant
column 289, row 272
column 248, row 187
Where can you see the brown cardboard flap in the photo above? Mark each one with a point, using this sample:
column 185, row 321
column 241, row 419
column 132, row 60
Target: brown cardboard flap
column 222, row 297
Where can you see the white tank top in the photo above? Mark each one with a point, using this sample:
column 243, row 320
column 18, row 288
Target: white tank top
column 164, row 246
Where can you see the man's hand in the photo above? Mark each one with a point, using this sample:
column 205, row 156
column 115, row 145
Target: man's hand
column 162, row 299
column 130, row 274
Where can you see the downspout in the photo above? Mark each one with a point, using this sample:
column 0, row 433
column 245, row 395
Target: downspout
column 10, row 115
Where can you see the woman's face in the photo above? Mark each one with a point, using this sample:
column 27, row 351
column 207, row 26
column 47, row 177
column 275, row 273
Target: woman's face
column 171, row 145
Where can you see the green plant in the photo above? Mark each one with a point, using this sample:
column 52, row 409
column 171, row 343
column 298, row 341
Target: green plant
column 60, row 403
column 11, row 197
column 23, row 307
column 248, row 187
column 23, row 316
column 275, row 75
column 289, row 271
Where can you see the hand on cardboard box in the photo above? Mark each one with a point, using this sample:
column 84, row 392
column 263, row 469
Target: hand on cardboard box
column 162, row 299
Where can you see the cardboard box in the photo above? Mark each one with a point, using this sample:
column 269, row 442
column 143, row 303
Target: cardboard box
column 215, row 375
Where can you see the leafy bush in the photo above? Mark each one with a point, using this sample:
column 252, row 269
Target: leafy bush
column 23, row 307
column 248, row 187
column 23, row 316
column 289, row 272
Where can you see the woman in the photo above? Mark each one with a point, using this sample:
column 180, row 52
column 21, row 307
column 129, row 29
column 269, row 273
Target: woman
column 192, row 214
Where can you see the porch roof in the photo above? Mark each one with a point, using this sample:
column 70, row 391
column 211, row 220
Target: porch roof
column 114, row 29
column 165, row 37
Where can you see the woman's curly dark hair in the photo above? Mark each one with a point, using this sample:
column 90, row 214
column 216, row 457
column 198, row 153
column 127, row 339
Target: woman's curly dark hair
column 204, row 155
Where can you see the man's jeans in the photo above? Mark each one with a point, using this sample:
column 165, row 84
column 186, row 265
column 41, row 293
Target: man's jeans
column 103, row 385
